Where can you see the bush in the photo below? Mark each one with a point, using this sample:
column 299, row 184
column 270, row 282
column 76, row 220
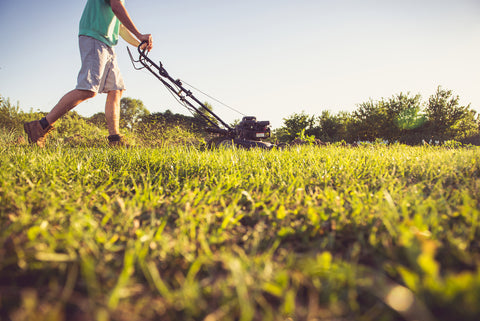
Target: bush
column 12, row 118
column 155, row 135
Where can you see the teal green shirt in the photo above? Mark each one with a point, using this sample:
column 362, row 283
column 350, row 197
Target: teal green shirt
column 98, row 21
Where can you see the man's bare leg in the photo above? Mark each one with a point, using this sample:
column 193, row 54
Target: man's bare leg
column 68, row 102
column 112, row 111
column 37, row 130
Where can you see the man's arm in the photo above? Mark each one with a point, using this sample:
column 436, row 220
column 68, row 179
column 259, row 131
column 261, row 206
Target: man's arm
column 128, row 36
column 121, row 13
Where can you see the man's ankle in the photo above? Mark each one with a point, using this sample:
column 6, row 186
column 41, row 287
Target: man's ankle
column 44, row 122
column 114, row 138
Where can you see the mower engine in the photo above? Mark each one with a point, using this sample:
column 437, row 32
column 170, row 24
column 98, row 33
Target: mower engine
column 251, row 129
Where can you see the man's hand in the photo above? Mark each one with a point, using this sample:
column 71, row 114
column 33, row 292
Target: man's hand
column 148, row 38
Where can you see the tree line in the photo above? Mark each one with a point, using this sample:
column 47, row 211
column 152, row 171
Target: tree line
column 403, row 118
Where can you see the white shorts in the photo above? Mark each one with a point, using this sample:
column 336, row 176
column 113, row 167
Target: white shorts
column 99, row 72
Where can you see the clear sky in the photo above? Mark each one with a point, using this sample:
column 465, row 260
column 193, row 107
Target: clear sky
column 266, row 58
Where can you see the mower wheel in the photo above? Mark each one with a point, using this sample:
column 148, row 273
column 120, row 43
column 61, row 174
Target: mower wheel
column 226, row 143
column 220, row 142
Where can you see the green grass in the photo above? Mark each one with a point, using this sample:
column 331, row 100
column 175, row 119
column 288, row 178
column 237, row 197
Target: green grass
column 368, row 233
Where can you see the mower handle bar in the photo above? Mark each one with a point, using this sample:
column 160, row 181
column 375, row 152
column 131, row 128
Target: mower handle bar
column 161, row 74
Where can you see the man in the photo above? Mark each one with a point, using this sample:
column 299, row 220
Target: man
column 101, row 23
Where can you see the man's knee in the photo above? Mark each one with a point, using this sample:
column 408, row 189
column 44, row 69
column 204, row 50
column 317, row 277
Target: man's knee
column 116, row 93
column 114, row 97
column 87, row 94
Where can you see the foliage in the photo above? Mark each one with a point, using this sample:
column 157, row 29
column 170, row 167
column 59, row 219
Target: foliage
column 132, row 111
column 199, row 119
column 467, row 127
column 163, row 135
column 393, row 119
column 409, row 118
column 369, row 120
column 446, row 118
column 169, row 119
column 9, row 113
column 98, row 120
column 294, row 126
column 12, row 117
column 73, row 129
column 306, row 139
column 376, row 232
column 403, row 118
column 332, row 128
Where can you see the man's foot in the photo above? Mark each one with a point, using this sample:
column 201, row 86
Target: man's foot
column 35, row 132
column 117, row 141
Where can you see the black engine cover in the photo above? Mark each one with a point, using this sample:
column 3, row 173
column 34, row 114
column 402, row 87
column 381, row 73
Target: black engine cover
column 251, row 129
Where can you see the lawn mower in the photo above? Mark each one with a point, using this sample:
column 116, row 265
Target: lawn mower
column 247, row 134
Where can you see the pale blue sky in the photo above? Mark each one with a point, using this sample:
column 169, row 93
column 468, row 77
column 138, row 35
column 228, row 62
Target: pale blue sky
column 266, row 58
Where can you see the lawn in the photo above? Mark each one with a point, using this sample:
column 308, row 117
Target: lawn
column 305, row 233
